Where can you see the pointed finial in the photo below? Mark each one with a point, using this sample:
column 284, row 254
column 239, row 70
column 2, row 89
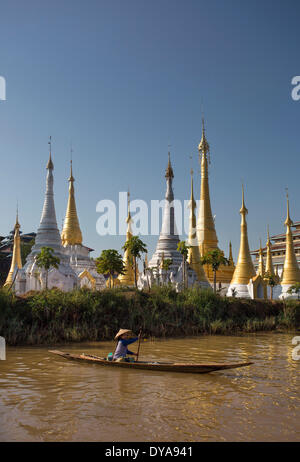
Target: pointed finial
column 243, row 209
column 128, row 219
column 169, row 170
column 17, row 225
column 50, row 163
column 203, row 145
column 71, row 165
column 288, row 221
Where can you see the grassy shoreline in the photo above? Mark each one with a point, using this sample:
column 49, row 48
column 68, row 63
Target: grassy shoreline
column 55, row 317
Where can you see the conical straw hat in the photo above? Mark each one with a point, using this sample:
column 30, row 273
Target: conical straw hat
column 121, row 332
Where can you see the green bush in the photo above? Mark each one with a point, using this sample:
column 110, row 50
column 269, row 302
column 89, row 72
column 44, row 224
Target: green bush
column 54, row 316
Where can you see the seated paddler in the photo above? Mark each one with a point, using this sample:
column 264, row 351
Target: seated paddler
column 121, row 351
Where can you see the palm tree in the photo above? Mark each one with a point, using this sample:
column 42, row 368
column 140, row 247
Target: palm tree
column 272, row 281
column 166, row 263
column 135, row 247
column 45, row 259
column 294, row 288
column 111, row 262
column 184, row 250
column 215, row 258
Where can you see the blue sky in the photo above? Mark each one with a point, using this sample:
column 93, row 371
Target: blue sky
column 122, row 79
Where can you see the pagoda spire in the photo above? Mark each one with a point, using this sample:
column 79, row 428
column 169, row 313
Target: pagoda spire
column 261, row 265
column 16, row 262
column 128, row 278
column 48, row 234
column 71, row 233
column 269, row 261
column 168, row 238
column 231, row 262
column 207, row 236
column 291, row 272
column 244, row 269
column 194, row 257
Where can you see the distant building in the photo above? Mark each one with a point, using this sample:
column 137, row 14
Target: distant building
column 278, row 249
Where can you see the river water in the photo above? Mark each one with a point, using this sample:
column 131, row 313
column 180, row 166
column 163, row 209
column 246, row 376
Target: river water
column 44, row 397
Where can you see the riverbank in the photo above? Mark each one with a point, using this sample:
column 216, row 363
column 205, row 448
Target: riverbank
column 52, row 316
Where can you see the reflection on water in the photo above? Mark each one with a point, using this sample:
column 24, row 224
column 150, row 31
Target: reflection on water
column 47, row 398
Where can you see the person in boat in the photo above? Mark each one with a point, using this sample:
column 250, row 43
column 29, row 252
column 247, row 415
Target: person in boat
column 121, row 351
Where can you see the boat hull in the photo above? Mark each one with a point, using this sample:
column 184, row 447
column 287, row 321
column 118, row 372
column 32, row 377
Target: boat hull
column 154, row 366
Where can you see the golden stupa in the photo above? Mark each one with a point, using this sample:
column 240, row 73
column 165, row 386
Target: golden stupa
column 206, row 232
column 194, row 257
column 16, row 262
column 291, row 272
column 261, row 264
column 71, row 233
column 269, row 261
column 244, row 270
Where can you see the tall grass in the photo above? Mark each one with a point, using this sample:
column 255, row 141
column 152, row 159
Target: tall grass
column 53, row 316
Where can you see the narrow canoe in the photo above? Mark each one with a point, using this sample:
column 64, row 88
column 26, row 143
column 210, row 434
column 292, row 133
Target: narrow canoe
column 154, row 366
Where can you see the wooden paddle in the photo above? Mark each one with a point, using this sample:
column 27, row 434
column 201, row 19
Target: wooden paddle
column 138, row 351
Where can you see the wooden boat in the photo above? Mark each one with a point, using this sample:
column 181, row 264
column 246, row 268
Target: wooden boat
column 154, row 366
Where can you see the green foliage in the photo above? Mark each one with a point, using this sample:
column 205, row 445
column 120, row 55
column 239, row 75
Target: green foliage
column 183, row 249
column 45, row 259
column 110, row 262
column 295, row 288
column 166, row 264
column 53, row 316
column 215, row 258
column 136, row 248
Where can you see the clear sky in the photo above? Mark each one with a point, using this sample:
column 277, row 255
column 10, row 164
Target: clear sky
column 122, row 79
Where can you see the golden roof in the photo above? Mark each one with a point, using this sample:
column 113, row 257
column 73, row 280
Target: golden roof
column 244, row 269
column 291, row 272
column 71, row 233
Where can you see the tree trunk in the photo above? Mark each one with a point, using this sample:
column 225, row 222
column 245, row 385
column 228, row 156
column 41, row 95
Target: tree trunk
column 215, row 281
column 135, row 281
column 46, row 279
column 271, row 293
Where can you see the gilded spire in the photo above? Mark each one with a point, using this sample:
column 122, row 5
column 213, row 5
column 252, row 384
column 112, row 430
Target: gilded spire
column 16, row 262
column 244, row 270
column 206, row 232
column 71, row 233
column 194, row 258
column 230, row 255
column 128, row 278
column 169, row 170
column 291, row 272
column 203, row 145
column 269, row 261
column 261, row 265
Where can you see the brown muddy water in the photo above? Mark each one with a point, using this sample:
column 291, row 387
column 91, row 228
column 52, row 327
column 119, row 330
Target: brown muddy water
column 46, row 398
